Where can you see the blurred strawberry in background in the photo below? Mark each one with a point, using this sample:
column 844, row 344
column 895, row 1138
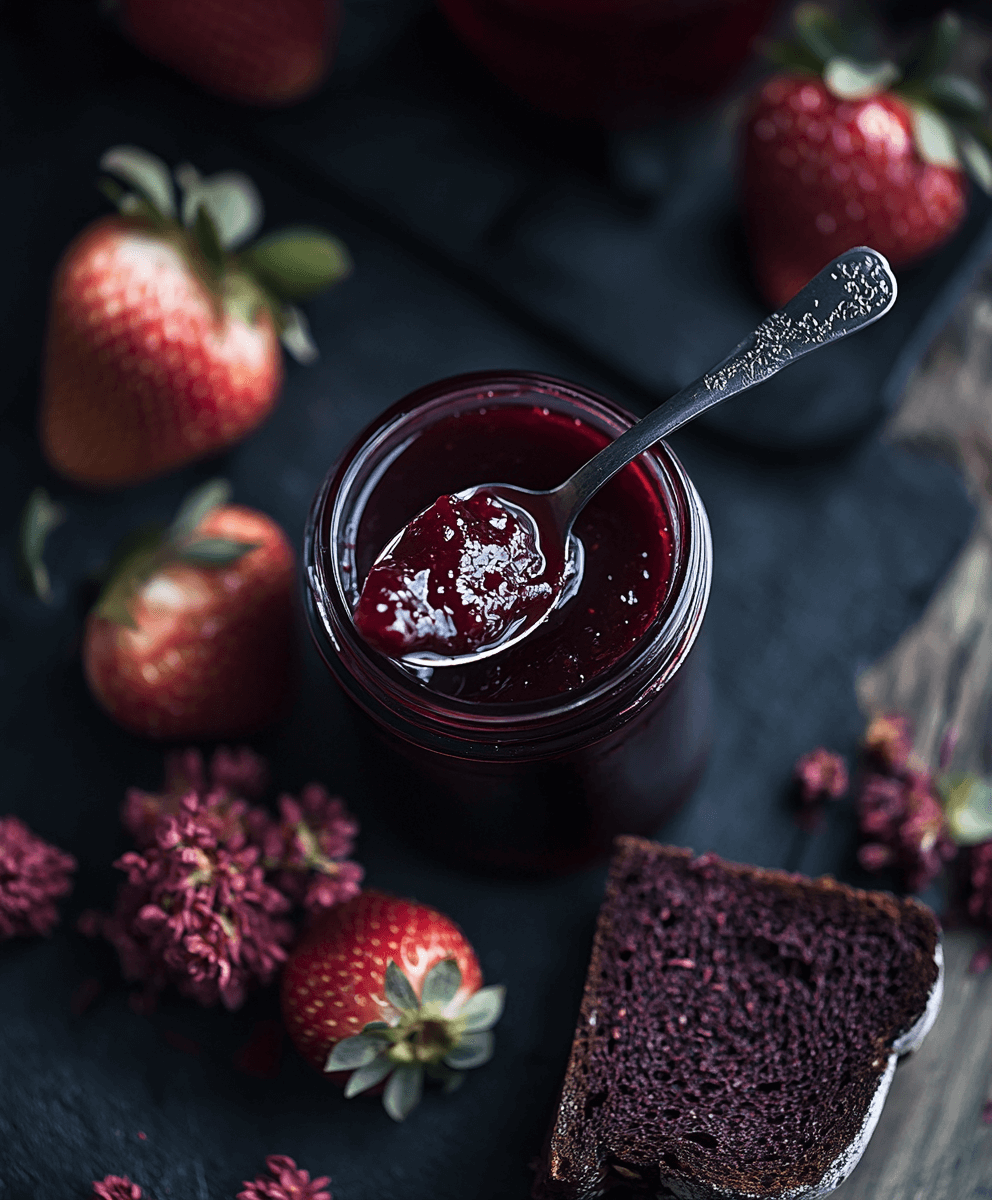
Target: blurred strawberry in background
column 192, row 636
column 265, row 52
column 619, row 62
column 847, row 148
column 164, row 326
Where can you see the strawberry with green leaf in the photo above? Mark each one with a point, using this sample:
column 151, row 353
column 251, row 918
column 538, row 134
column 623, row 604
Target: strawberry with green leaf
column 192, row 636
column 382, row 993
column 165, row 322
column 845, row 148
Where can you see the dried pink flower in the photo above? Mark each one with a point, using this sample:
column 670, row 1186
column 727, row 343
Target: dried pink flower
column 307, row 848
column 888, row 742
column 196, row 912
column 903, row 822
column 116, row 1187
column 235, row 777
column 33, row 875
column 285, row 1181
column 821, row 775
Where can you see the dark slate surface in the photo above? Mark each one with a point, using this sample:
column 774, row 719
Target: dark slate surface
column 820, row 564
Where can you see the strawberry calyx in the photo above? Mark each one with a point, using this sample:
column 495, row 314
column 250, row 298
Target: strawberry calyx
column 146, row 551
column 40, row 517
column 432, row 1036
column 210, row 221
column 949, row 112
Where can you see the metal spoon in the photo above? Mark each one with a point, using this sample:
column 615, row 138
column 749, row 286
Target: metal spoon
column 852, row 292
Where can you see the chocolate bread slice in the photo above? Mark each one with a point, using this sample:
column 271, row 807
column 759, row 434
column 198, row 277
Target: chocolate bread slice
column 739, row 1030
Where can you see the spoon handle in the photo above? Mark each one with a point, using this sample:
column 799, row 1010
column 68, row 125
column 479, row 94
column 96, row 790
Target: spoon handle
column 853, row 291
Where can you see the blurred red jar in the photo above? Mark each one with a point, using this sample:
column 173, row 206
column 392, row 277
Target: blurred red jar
column 598, row 723
column 619, row 62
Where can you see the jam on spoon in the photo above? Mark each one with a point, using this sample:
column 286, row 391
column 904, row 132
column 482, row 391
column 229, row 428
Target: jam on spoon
column 463, row 574
column 459, row 583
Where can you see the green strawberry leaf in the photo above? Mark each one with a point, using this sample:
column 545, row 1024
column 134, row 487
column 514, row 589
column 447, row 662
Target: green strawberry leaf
column 353, row 1052
column 199, row 502
column 403, row 1092
column 39, row 518
column 968, row 808
column 441, row 983
column 297, row 263
column 819, row 33
column 933, row 136
column 376, row 1028
column 136, row 560
column 231, row 198
column 399, row 993
column 977, row 159
column 956, row 97
column 205, row 232
column 212, row 552
column 483, row 1009
column 848, row 79
column 368, row 1076
column 793, row 56
column 936, row 50
column 295, row 335
column 473, row 1050
column 145, row 174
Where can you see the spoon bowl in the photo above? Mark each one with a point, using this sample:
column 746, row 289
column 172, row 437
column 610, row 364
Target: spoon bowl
column 852, row 292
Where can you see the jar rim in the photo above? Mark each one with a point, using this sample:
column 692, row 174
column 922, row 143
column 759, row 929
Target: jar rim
column 392, row 695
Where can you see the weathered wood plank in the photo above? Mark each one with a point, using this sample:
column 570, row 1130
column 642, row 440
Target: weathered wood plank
column 930, row 1143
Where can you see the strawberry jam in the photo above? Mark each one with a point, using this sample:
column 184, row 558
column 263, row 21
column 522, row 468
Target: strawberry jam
column 465, row 574
column 597, row 723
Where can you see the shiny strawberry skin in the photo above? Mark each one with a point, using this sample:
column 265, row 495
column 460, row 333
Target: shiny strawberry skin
column 143, row 373
column 334, row 981
column 213, row 652
column 821, row 175
column 254, row 51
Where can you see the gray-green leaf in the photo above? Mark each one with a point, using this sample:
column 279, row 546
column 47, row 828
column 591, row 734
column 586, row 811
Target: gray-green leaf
column 213, row 552
column 298, row 263
column 484, row 1008
column 820, row 33
column 375, row 1028
column 295, row 335
column 472, row 1051
column 933, row 136
column 232, row 198
column 977, row 159
column 403, row 1092
column 353, row 1052
column 441, row 983
column 144, row 172
column 207, row 238
column 957, row 97
column 399, row 992
column 39, row 518
column 368, row 1076
column 196, row 505
column 968, row 805
column 852, row 80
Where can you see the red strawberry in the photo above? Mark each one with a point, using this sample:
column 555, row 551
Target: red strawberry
column 193, row 635
column 389, row 990
column 255, row 51
column 838, row 158
column 162, row 342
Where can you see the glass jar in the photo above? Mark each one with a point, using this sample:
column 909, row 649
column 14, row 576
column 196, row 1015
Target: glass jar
column 535, row 763
column 619, row 62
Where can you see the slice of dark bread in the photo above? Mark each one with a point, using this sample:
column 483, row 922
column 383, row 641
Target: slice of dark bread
column 739, row 1030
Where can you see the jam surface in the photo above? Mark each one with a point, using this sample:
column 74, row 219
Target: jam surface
column 625, row 530
column 464, row 575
